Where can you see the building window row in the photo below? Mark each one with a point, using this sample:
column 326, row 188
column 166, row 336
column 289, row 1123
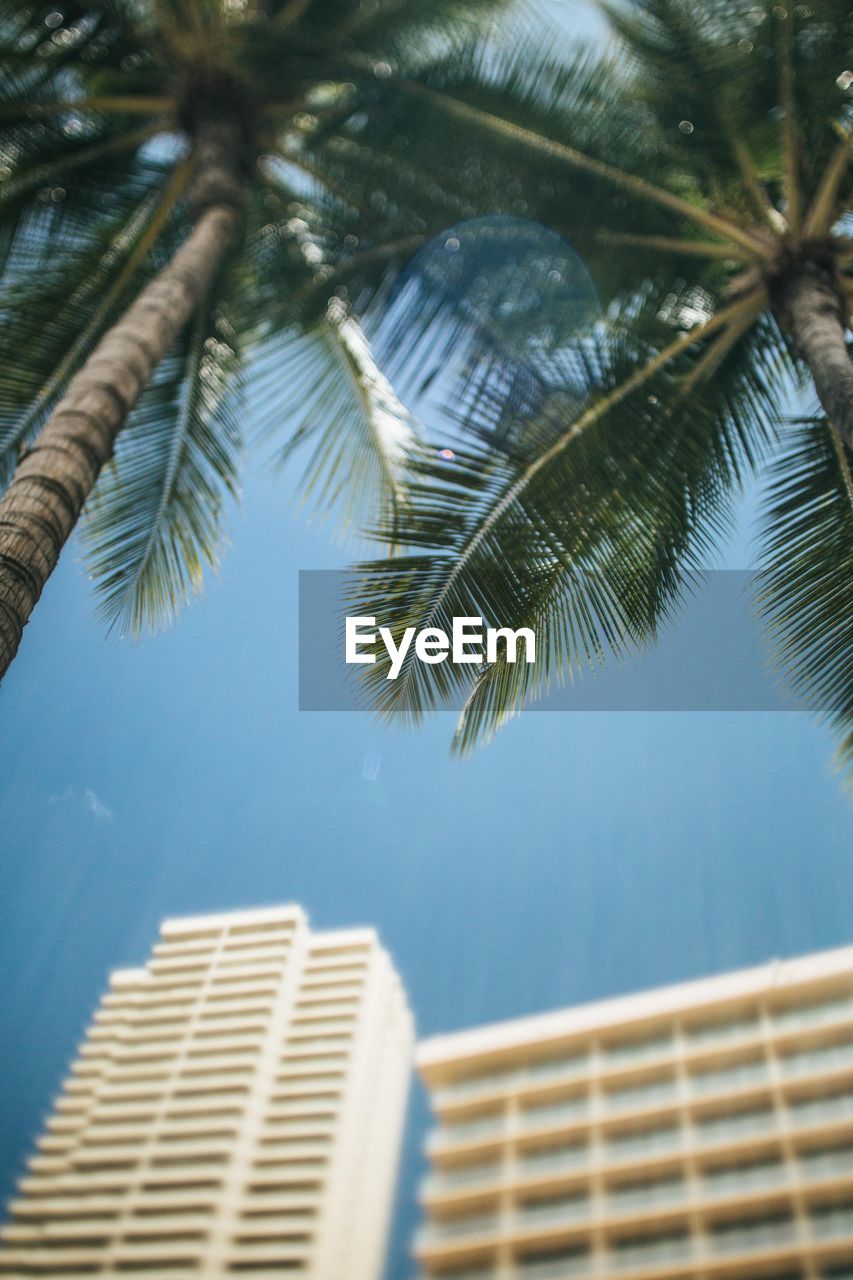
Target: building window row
column 814, row 1012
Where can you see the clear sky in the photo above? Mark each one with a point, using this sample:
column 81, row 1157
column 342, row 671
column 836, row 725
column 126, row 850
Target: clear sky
column 578, row 857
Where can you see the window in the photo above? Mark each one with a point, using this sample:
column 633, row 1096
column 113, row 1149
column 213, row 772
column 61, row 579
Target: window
column 269, row 1265
column 644, row 1141
column 649, row 1046
column 166, row 1263
column 569, row 1155
column 553, row 1210
column 186, row 1162
column 554, row 1265
column 555, row 1111
column 834, row 1219
column 461, row 1175
column 827, row 1161
column 817, row 1110
column 640, row 1251
column 646, row 1194
column 724, row 1029
column 717, row 1128
column 752, row 1233
column 815, row 1012
column 827, row 1057
column 646, row 1093
column 169, row 1237
column 488, row 1124
column 724, row 1179
column 732, row 1076
column 479, row 1224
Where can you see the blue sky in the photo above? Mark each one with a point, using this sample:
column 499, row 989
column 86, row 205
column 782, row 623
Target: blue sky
column 579, row 856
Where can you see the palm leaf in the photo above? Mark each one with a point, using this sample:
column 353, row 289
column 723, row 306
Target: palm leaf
column 58, row 312
column 342, row 412
column 805, row 583
column 588, row 534
column 154, row 522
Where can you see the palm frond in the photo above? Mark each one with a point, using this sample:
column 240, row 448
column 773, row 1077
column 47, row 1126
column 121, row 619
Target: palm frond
column 155, row 520
column 805, row 583
column 342, row 411
column 58, row 312
column 589, row 536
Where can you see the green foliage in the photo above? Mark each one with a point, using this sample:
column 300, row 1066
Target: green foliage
column 344, row 413
column 690, row 164
column 682, row 162
column 586, row 525
column 154, row 521
column 98, row 106
column 806, row 579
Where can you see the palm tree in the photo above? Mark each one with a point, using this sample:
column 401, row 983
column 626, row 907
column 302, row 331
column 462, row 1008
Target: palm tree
column 185, row 182
column 700, row 164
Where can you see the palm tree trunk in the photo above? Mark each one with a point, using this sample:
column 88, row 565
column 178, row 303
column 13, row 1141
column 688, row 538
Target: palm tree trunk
column 812, row 312
column 52, row 482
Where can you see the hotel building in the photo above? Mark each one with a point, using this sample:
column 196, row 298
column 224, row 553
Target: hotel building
column 693, row 1132
column 237, row 1107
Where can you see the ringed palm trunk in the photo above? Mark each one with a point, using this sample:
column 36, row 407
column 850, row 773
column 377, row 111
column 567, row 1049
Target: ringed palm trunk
column 812, row 311
column 51, row 484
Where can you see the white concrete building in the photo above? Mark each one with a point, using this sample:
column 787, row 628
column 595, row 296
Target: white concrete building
column 237, row 1108
column 694, row 1132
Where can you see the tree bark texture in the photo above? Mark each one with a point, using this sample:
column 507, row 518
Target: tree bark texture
column 812, row 312
column 51, row 484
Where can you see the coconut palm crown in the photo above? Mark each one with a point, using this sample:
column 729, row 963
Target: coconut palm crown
column 185, row 182
column 701, row 166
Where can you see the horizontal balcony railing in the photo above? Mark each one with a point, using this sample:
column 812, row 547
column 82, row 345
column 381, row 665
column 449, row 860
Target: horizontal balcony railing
column 673, row 1194
column 554, row 1070
column 579, row 1111
column 554, row 1114
column 487, row 1127
column 696, row 1037
column 750, row 1242
column 734, row 1131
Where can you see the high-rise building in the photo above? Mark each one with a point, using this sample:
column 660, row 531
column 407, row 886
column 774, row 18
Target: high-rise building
column 237, row 1107
column 696, row 1131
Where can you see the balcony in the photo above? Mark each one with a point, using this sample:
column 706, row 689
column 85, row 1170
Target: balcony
column 640, row 1096
column 553, row 1070
column 465, row 1177
column 831, row 1222
column 710, row 1035
column 490, row 1127
column 768, row 1175
column 450, row 1230
column 747, row 1237
column 727, row 1079
column 552, row 1214
column 816, row 1111
column 647, row 1195
column 554, row 1267
column 657, row 1251
column 555, row 1115
column 629, row 1052
column 732, row 1127
column 831, row 1057
column 555, row 1160
column 833, row 1163
column 645, row 1142
column 814, row 1014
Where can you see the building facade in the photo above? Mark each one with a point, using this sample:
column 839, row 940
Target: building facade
column 237, row 1107
column 697, row 1131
